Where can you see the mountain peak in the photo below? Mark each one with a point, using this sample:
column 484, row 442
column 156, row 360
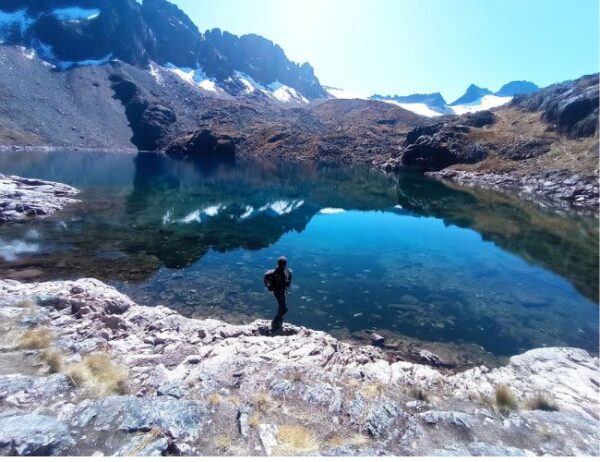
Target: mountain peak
column 517, row 87
column 67, row 33
column 473, row 94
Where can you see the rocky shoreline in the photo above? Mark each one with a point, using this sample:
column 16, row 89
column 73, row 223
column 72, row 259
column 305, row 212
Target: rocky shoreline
column 84, row 370
column 558, row 190
column 25, row 199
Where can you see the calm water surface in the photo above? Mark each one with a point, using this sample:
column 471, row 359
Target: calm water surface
column 400, row 254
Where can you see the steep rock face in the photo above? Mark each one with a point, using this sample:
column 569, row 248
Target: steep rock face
column 472, row 94
column 68, row 33
column 150, row 121
column 223, row 53
column 177, row 39
column 571, row 107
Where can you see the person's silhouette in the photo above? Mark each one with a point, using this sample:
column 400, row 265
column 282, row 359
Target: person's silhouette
column 278, row 281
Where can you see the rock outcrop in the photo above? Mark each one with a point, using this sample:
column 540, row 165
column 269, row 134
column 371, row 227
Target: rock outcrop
column 204, row 387
column 570, row 107
column 25, row 199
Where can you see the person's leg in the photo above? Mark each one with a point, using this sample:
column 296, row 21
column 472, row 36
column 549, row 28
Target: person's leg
column 281, row 310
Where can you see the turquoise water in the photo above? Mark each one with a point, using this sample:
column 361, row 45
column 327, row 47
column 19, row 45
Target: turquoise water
column 399, row 254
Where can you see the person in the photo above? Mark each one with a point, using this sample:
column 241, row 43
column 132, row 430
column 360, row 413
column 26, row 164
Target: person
column 278, row 281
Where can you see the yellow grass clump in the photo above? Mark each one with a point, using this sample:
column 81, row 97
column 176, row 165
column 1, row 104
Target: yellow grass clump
column 54, row 360
column 98, row 373
column 541, row 402
column 295, row 440
column 35, row 339
column 354, row 440
column 263, row 401
column 215, row 399
column 223, row 442
column 374, row 389
column 254, row 420
column 505, row 398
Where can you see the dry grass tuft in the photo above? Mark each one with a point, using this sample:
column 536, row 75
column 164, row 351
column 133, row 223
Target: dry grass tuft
column 374, row 389
column 546, row 432
column 295, row 440
column 541, row 402
column 264, row 401
column 149, row 438
column 355, row 440
column 54, row 360
column 35, row 339
column 294, row 376
column 353, row 384
column 223, row 443
column 254, row 420
column 98, row 373
column 215, row 399
column 27, row 303
column 419, row 394
column 505, row 398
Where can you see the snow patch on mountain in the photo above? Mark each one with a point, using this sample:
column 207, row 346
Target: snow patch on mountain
column 192, row 76
column 285, row 94
column 417, row 108
column 75, row 13
column 482, row 104
column 339, row 93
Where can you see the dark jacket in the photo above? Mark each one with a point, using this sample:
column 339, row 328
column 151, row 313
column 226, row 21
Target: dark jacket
column 278, row 280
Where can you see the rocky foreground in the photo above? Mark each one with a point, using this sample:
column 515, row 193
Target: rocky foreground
column 24, row 199
column 84, row 370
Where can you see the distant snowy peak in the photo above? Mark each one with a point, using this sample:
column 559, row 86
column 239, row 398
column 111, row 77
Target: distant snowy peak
column 472, row 95
column 517, row 87
column 428, row 105
column 431, row 99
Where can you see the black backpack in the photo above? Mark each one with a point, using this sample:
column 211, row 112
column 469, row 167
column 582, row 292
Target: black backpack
column 269, row 280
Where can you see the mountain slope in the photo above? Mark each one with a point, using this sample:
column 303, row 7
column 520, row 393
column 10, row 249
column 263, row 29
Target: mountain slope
column 70, row 33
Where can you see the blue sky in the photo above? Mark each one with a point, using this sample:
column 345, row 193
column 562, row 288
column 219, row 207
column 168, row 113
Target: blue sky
column 410, row 46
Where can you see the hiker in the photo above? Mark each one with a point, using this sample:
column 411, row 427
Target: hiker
column 278, row 281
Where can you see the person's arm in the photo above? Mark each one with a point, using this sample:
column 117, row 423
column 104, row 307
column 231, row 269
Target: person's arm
column 289, row 279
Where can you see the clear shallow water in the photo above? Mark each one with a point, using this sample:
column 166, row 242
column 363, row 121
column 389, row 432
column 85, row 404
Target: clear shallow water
column 405, row 255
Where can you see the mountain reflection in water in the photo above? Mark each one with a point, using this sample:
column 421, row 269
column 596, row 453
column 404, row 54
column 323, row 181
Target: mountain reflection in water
column 370, row 251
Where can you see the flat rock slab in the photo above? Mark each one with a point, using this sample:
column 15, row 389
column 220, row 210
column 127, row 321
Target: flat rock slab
column 25, row 199
column 33, row 435
column 180, row 418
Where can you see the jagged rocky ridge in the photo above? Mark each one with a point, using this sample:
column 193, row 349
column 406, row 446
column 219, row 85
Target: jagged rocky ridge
column 203, row 387
column 69, row 33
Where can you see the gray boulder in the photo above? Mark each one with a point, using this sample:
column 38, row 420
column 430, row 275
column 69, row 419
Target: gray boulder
column 33, row 435
column 180, row 418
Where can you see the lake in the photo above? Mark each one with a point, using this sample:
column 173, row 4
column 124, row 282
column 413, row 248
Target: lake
column 399, row 254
